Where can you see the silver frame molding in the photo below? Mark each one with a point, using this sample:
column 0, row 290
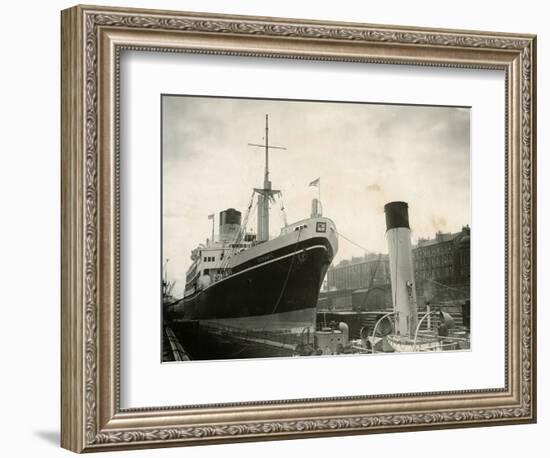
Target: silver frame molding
column 92, row 40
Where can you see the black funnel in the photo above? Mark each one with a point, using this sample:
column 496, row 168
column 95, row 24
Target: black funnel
column 397, row 215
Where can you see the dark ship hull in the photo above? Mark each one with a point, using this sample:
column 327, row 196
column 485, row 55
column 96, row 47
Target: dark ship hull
column 274, row 292
column 266, row 308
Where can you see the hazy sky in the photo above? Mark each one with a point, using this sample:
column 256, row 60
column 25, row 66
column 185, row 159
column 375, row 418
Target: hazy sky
column 366, row 155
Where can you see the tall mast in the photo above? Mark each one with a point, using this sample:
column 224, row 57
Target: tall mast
column 266, row 175
column 265, row 193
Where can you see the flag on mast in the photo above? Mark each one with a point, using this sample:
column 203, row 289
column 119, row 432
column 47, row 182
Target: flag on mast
column 211, row 216
column 316, row 182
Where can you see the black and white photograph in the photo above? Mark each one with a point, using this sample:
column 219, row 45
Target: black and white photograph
column 275, row 229
column 295, row 228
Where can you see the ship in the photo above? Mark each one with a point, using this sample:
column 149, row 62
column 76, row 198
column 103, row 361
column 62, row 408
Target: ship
column 246, row 283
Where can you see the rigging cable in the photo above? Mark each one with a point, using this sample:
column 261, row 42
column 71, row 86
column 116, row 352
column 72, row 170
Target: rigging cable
column 242, row 232
column 366, row 251
column 352, row 242
column 242, row 229
column 282, row 212
column 444, row 285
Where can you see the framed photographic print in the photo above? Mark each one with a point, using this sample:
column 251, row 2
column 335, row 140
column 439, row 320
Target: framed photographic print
column 277, row 228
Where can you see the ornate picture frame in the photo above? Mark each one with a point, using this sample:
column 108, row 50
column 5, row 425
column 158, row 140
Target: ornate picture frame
column 92, row 41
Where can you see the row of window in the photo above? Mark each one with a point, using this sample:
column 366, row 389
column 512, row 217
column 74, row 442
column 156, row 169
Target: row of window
column 435, row 260
column 436, row 273
column 431, row 251
column 209, row 259
column 364, row 266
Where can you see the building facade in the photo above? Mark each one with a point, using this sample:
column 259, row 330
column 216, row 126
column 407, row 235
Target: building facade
column 441, row 265
column 359, row 272
column 445, row 257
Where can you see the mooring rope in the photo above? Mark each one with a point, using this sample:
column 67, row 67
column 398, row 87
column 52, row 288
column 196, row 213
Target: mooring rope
column 352, row 242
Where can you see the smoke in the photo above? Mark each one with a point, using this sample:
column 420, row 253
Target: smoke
column 378, row 196
column 439, row 223
column 374, row 187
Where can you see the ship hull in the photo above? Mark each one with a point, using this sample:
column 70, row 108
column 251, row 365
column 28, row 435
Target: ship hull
column 266, row 304
column 274, row 292
column 212, row 340
column 292, row 321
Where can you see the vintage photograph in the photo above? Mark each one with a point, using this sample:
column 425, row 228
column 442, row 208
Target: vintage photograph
column 295, row 228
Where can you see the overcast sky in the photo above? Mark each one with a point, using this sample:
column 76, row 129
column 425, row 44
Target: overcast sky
column 365, row 155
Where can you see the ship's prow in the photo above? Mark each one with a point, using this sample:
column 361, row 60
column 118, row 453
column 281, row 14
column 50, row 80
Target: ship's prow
column 280, row 276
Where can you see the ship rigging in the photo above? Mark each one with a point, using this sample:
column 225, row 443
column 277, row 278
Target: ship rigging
column 265, row 194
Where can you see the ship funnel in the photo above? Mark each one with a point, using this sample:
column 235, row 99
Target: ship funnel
column 230, row 224
column 398, row 236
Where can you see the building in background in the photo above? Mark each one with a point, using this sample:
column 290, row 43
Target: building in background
column 442, row 267
column 442, row 275
column 359, row 272
column 359, row 284
column 445, row 257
